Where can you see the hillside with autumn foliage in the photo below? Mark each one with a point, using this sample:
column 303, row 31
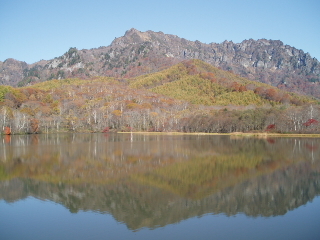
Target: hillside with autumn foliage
column 201, row 83
column 137, row 53
column 191, row 96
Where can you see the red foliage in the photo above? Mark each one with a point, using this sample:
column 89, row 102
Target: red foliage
column 310, row 122
column 242, row 88
column 271, row 94
column 107, row 129
column 311, row 147
column 271, row 140
column 259, row 90
column 270, row 127
column 7, row 131
column 210, row 76
column 7, row 138
column 235, row 86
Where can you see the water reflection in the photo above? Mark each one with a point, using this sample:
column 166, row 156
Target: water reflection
column 155, row 180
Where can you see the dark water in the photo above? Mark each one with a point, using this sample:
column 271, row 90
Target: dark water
column 123, row 186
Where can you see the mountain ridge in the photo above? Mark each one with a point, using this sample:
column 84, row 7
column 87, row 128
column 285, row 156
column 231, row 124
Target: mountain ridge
column 137, row 53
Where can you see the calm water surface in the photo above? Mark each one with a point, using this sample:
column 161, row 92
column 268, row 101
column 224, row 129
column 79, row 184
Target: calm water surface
column 131, row 186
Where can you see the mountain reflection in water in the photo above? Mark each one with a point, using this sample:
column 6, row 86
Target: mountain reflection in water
column 155, row 180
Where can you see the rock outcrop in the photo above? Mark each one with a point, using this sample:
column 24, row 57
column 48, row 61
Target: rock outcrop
column 136, row 53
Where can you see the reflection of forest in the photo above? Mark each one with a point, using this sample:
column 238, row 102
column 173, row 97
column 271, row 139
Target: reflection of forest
column 150, row 181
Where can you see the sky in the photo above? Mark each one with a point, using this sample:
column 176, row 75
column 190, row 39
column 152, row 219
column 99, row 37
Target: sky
column 31, row 30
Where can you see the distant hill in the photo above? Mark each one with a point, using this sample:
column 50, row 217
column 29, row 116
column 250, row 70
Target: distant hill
column 137, row 53
column 200, row 83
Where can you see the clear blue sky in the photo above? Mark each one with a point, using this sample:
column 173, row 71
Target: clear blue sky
column 31, row 30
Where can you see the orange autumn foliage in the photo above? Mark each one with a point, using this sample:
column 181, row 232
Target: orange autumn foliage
column 7, row 131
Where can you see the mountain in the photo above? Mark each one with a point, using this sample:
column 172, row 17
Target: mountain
column 137, row 53
column 11, row 71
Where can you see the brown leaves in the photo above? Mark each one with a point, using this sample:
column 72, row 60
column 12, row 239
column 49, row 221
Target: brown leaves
column 34, row 125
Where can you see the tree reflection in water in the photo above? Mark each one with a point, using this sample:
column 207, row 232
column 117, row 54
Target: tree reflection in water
column 155, row 180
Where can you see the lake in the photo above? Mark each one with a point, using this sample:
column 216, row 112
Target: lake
column 157, row 186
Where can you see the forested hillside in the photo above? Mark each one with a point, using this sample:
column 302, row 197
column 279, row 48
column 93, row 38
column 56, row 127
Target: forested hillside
column 201, row 83
column 137, row 53
column 191, row 96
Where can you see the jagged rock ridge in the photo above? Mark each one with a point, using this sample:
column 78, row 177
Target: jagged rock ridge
column 137, row 53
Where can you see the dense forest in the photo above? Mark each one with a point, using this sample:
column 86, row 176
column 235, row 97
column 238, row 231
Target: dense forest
column 191, row 96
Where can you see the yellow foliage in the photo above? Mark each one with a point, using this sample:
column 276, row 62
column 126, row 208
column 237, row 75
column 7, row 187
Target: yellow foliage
column 147, row 105
column 117, row 113
column 133, row 105
column 202, row 176
column 240, row 98
column 191, row 88
column 151, row 80
column 201, row 83
column 18, row 95
column 54, row 84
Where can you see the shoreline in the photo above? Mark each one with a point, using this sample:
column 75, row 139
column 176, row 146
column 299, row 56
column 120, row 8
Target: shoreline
column 236, row 134
column 233, row 134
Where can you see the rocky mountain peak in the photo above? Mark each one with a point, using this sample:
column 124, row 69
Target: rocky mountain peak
column 11, row 69
column 135, row 53
column 132, row 36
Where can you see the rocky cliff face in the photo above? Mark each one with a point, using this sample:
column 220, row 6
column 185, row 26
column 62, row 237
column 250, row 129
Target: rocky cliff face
column 11, row 71
column 138, row 53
